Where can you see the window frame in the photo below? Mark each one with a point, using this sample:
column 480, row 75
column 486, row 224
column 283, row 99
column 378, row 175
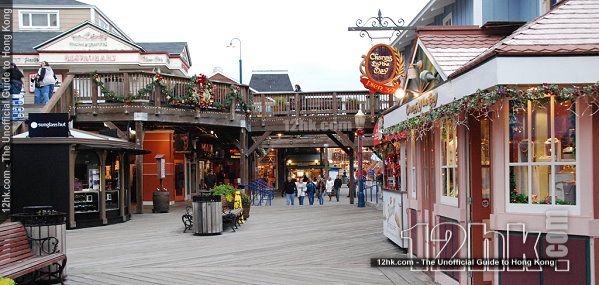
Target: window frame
column 448, row 200
column 22, row 13
column 448, row 20
column 530, row 207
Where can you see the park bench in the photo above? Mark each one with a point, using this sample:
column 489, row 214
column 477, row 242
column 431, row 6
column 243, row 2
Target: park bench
column 17, row 258
column 230, row 218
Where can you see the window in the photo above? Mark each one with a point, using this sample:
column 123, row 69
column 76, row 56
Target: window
column 38, row 19
column 447, row 20
column 449, row 162
column 102, row 23
column 542, row 153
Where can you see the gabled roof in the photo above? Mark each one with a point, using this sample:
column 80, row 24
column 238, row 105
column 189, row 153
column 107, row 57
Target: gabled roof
column 451, row 47
column 271, row 82
column 570, row 28
column 221, row 77
column 174, row 48
column 80, row 26
column 23, row 42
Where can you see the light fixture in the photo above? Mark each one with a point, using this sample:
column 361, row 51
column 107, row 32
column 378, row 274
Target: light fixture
column 330, row 161
column 211, row 132
column 289, row 161
column 427, row 76
column 360, row 119
column 316, row 161
column 279, row 134
column 400, row 93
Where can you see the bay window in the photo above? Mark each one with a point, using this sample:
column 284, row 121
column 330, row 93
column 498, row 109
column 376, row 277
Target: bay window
column 542, row 153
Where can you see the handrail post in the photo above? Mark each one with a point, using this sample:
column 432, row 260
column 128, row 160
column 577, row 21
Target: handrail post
column 372, row 109
column 263, row 98
column 297, row 105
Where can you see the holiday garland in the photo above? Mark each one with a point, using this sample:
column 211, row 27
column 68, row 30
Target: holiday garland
column 112, row 96
column 479, row 103
column 200, row 92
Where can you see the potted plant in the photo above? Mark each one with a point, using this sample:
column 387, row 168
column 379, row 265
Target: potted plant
column 226, row 192
column 161, row 200
column 246, row 202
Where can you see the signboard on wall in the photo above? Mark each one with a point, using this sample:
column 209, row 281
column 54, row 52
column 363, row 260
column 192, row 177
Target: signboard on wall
column 48, row 125
column 382, row 69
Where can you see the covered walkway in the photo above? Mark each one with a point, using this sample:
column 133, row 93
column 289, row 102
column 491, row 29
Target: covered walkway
column 330, row 244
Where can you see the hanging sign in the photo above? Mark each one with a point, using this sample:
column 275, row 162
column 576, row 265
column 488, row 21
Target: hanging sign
column 48, row 125
column 382, row 69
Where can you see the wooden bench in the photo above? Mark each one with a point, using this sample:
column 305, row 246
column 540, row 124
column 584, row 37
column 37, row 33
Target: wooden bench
column 230, row 218
column 17, row 258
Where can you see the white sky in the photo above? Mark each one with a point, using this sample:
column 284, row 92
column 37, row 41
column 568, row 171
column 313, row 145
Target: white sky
column 308, row 38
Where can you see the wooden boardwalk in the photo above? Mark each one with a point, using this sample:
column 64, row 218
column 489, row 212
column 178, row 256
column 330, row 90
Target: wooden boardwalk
column 330, row 244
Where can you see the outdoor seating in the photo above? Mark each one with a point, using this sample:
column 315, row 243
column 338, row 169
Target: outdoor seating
column 187, row 219
column 17, row 258
column 231, row 218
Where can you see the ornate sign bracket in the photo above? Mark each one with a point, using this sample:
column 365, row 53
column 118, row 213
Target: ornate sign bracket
column 380, row 23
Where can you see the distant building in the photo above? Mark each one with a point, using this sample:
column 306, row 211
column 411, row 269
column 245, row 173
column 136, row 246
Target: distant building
column 219, row 75
column 271, row 81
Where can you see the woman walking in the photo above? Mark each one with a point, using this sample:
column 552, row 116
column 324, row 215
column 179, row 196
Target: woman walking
column 16, row 79
column 329, row 186
column 289, row 188
column 301, row 190
column 320, row 189
column 310, row 190
column 45, row 80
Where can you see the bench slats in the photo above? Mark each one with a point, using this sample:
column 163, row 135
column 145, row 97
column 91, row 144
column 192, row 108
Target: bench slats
column 23, row 267
column 24, row 255
column 14, row 251
column 13, row 240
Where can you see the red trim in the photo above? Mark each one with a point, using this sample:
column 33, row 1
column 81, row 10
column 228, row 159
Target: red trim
column 23, row 53
column 132, row 51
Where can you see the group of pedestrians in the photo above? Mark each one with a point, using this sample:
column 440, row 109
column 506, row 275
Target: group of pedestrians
column 312, row 189
column 44, row 82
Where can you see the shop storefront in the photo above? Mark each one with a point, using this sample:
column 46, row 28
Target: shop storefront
column 493, row 146
column 85, row 175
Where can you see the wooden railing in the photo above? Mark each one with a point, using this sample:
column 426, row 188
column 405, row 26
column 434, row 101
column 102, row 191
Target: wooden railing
column 62, row 101
column 86, row 90
column 320, row 103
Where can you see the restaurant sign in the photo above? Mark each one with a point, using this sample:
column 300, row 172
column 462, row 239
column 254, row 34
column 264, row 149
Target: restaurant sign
column 382, row 69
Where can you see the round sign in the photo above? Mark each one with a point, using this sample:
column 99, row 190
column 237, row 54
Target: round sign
column 485, row 202
column 381, row 63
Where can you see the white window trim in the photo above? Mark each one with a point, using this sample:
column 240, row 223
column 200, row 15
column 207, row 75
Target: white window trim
column 448, row 18
column 412, row 165
column 535, row 208
column 452, row 201
column 22, row 27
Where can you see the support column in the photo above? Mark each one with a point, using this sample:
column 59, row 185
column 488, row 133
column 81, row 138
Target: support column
column 102, row 193
column 352, row 180
column 243, row 163
column 139, row 168
column 72, row 158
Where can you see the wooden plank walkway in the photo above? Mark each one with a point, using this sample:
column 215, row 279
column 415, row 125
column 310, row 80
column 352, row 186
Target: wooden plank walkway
column 330, row 244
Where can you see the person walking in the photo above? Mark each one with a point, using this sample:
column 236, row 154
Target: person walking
column 329, row 187
column 44, row 78
column 310, row 190
column 301, row 190
column 320, row 189
column 16, row 79
column 289, row 188
column 337, row 187
column 210, row 180
column 54, row 80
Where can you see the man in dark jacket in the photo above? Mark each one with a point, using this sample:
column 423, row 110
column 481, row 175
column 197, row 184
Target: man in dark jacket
column 290, row 188
column 337, row 186
column 210, row 179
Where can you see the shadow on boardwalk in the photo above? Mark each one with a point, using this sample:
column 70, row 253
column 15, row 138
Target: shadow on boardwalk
column 330, row 244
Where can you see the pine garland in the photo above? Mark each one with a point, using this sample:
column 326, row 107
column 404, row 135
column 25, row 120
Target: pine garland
column 479, row 103
column 112, row 96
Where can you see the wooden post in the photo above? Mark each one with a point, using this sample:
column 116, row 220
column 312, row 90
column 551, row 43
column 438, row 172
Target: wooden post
column 263, row 109
column 232, row 113
column 243, row 164
column 335, row 105
column 157, row 97
column 139, row 168
column 102, row 193
column 72, row 158
column 352, row 180
column 297, row 107
column 94, row 86
column 372, row 108
column 126, row 82
column 122, row 186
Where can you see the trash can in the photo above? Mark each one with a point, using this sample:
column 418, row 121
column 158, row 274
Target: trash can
column 42, row 222
column 207, row 215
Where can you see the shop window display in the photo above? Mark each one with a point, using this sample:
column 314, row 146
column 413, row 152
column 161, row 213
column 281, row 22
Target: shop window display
column 547, row 173
column 449, row 159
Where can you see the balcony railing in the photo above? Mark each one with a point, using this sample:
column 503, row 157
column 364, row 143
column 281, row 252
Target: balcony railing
column 87, row 91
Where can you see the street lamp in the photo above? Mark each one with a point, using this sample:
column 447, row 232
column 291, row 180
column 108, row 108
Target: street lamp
column 240, row 65
column 360, row 119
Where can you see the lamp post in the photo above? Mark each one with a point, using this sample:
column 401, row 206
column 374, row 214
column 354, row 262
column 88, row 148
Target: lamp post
column 240, row 65
column 360, row 119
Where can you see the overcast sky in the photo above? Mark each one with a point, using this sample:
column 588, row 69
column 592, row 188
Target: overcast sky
column 308, row 38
